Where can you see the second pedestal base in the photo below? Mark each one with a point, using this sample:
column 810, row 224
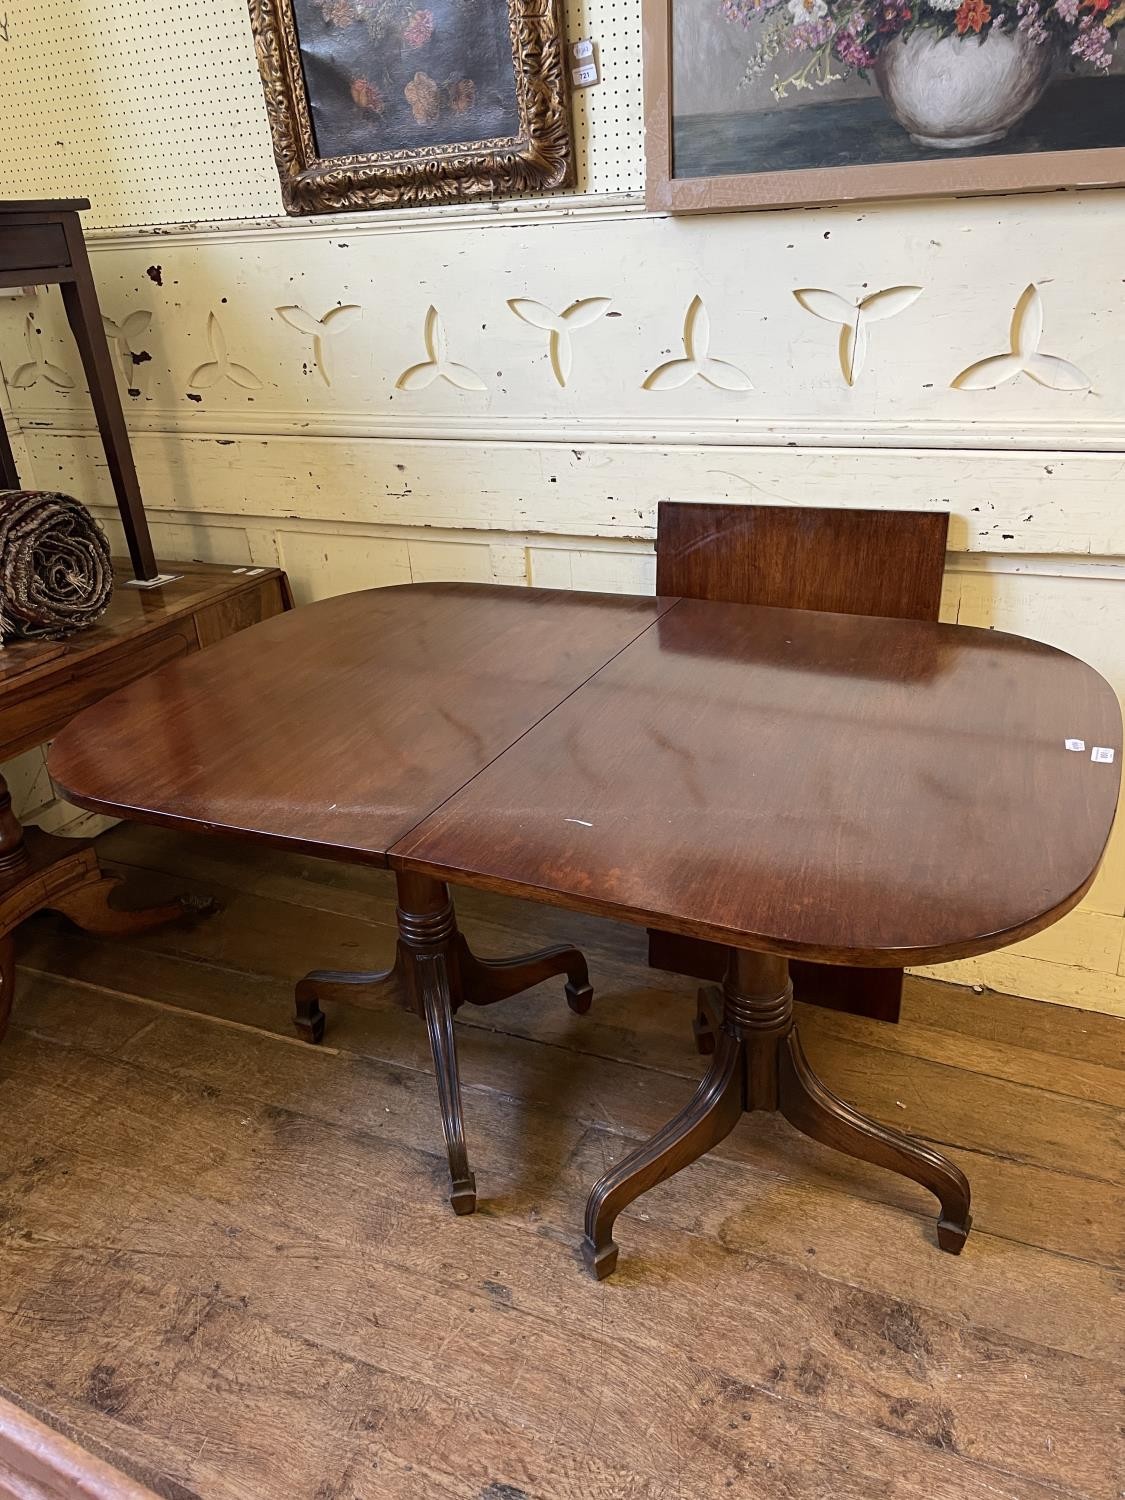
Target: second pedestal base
column 434, row 974
column 758, row 1064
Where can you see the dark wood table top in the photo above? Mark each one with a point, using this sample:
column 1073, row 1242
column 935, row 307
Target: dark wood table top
column 339, row 726
column 828, row 786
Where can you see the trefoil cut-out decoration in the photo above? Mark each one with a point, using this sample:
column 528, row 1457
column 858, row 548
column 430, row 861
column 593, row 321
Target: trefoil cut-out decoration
column 123, row 336
column 438, row 365
column 321, row 330
column 1023, row 358
column 698, row 362
column 221, row 366
column 855, row 318
column 38, row 365
column 559, row 326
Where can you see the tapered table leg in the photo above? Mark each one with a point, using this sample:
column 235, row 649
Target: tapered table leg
column 9, row 474
column 80, row 302
column 488, row 980
column 432, row 974
column 759, row 1065
column 323, row 984
column 428, row 954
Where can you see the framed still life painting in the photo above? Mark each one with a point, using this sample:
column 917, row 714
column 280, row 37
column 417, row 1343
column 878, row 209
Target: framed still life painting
column 771, row 103
column 391, row 103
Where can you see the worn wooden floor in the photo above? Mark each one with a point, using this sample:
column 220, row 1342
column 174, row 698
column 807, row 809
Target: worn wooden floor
column 227, row 1263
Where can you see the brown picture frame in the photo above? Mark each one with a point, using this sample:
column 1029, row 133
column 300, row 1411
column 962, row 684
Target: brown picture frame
column 816, row 187
column 538, row 158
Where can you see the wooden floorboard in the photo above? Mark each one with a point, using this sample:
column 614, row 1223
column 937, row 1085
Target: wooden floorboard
column 227, row 1261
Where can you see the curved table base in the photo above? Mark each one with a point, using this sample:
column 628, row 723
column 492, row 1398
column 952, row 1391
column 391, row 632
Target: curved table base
column 42, row 872
column 759, row 1064
column 434, row 974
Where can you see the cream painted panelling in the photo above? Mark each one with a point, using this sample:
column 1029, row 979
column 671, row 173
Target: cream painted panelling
column 431, row 345
column 1033, row 503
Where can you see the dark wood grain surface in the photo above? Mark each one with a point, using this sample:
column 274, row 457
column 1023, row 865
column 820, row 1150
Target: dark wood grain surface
column 43, row 684
column 338, row 727
column 855, row 562
column 827, row 786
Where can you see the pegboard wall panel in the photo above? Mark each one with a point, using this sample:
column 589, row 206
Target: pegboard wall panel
column 153, row 109
column 150, row 108
column 609, row 137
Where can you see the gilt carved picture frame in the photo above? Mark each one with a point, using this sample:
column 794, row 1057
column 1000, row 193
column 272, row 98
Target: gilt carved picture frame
column 399, row 103
column 799, row 103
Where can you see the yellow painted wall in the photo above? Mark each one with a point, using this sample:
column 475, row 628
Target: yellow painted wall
column 252, row 449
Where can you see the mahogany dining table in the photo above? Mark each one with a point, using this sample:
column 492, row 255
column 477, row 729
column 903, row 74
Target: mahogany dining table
column 787, row 783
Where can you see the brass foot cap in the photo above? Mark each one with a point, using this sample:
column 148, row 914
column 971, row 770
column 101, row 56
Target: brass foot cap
column 600, row 1263
column 579, row 997
column 311, row 1031
column 951, row 1237
column 463, row 1198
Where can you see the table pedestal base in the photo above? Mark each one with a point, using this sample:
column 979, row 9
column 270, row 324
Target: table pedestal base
column 40, row 872
column 434, row 974
column 759, row 1064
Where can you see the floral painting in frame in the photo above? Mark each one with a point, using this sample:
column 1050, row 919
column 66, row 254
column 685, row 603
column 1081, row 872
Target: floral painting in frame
column 389, row 103
column 767, row 103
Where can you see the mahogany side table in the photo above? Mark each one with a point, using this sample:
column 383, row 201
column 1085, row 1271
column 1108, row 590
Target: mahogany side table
column 43, row 684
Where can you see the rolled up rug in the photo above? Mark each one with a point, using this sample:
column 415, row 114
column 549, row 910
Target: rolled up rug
column 55, row 571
